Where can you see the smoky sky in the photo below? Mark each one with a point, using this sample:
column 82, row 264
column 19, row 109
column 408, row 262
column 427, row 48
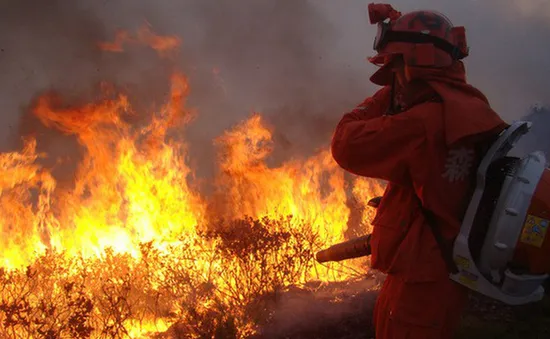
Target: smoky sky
column 301, row 63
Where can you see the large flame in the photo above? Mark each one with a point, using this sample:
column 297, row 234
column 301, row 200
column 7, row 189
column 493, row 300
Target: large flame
column 312, row 189
column 133, row 223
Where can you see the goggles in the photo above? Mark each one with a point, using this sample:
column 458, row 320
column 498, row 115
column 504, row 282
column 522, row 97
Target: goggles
column 381, row 34
column 385, row 35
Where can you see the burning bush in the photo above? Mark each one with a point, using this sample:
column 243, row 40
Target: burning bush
column 220, row 282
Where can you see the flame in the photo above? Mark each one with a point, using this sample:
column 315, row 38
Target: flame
column 312, row 189
column 365, row 189
column 145, row 37
column 132, row 186
column 23, row 218
column 129, row 241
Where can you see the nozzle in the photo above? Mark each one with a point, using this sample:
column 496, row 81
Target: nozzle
column 354, row 248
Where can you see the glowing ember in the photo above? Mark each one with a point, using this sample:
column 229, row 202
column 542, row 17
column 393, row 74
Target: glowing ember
column 132, row 248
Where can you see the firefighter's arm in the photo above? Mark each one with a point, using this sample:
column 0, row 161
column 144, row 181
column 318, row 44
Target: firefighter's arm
column 380, row 147
column 372, row 107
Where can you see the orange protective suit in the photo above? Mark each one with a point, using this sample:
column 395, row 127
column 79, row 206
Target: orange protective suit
column 428, row 151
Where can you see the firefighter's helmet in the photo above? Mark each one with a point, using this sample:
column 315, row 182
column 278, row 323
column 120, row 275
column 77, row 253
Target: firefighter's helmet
column 422, row 38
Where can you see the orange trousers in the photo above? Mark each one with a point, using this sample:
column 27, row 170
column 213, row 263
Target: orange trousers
column 423, row 310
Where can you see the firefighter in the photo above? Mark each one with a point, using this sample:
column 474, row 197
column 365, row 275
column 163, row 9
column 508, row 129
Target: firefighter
column 424, row 132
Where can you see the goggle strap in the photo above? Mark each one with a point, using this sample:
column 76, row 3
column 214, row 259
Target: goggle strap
column 420, row 38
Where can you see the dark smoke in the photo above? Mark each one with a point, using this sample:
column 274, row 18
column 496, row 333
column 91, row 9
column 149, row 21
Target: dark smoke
column 41, row 44
column 271, row 59
column 53, row 46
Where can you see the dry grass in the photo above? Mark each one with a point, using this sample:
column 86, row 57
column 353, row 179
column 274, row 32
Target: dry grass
column 245, row 266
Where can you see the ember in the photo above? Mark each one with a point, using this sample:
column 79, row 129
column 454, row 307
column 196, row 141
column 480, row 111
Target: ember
column 132, row 248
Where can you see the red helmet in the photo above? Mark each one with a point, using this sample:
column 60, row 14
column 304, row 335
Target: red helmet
column 423, row 38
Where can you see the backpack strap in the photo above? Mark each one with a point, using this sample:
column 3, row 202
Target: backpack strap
column 445, row 247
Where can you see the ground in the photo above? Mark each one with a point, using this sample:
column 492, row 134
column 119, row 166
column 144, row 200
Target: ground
column 486, row 319
column 343, row 311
